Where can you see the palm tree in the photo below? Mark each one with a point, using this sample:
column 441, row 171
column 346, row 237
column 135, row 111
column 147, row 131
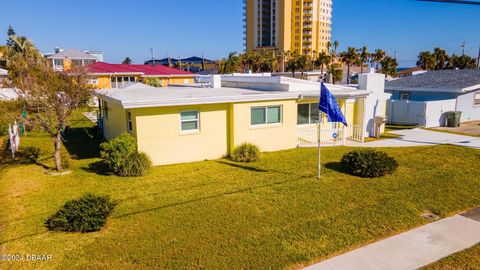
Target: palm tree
column 364, row 57
column 349, row 58
column 324, row 59
column 426, row 60
column 389, row 66
column 377, row 57
column 441, row 58
column 336, row 44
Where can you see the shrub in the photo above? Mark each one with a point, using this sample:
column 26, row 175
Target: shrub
column 137, row 164
column 369, row 163
column 116, row 151
column 246, row 152
column 31, row 153
column 87, row 214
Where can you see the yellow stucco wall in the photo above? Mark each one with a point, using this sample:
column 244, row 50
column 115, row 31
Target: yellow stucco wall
column 116, row 122
column 159, row 134
column 268, row 137
column 222, row 127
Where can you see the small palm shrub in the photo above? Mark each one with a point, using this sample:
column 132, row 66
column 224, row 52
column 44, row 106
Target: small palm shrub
column 369, row 163
column 137, row 164
column 246, row 152
column 31, row 153
column 87, row 214
column 122, row 157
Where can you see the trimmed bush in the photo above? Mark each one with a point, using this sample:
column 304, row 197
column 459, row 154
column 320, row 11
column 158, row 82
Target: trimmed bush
column 369, row 163
column 32, row 154
column 137, row 164
column 246, row 152
column 87, row 214
column 122, row 157
column 116, row 151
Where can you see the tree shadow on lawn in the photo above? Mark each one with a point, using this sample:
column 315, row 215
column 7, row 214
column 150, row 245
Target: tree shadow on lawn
column 82, row 143
column 241, row 166
column 194, row 200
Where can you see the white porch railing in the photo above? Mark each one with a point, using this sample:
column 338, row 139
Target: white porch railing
column 355, row 133
column 308, row 136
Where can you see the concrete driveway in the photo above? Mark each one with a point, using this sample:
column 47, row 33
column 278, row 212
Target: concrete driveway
column 422, row 137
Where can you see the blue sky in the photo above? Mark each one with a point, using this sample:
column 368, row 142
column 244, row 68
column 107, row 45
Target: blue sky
column 214, row 27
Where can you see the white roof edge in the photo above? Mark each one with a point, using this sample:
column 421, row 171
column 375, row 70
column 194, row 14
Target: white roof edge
column 200, row 101
column 471, row 88
column 424, row 89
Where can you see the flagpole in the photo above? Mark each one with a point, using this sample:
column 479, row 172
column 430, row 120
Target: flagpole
column 319, row 142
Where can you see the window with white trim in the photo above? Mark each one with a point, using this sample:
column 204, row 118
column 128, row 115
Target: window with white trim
column 129, row 122
column 476, row 100
column 266, row 115
column 190, row 121
column 308, row 113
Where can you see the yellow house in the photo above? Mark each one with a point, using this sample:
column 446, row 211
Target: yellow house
column 189, row 124
column 106, row 76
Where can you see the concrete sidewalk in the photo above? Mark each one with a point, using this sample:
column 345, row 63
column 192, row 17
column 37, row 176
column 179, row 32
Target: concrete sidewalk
column 412, row 249
column 422, row 137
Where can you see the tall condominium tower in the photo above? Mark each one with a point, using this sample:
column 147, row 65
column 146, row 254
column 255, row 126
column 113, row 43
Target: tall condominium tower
column 303, row 26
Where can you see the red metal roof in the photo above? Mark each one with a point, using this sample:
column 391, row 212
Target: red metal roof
column 146, row 70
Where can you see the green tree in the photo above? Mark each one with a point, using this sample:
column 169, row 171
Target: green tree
column 441, row 58
column 349, row 58
column 377, row 57
column 426, row 60
column 465, row 62
column 336, row 72
column 50, row 97
column 389, row 66
column 127, row 61
column 229, row 65
column 324, row 60
column 364, row 57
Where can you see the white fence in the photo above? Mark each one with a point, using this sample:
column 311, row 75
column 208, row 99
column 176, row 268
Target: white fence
column 422, row 113
column 355, row 133
column 308, row 136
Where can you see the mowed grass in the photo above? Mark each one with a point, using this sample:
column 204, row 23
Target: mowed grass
column 272, row 214
column 467, row 259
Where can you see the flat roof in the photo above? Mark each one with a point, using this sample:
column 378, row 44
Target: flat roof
column 142, row 96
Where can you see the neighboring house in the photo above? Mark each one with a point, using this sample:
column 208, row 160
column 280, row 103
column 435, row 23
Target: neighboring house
column 193, row 64
column 187, row 124
column 424, row 99
column 405, row 72
column 105, row 75
column 66, row 59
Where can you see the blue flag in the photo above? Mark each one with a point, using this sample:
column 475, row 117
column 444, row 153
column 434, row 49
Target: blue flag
column 328, row 104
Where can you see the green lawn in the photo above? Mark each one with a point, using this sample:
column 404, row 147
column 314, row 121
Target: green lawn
column 467, row 259
column 218, row 214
